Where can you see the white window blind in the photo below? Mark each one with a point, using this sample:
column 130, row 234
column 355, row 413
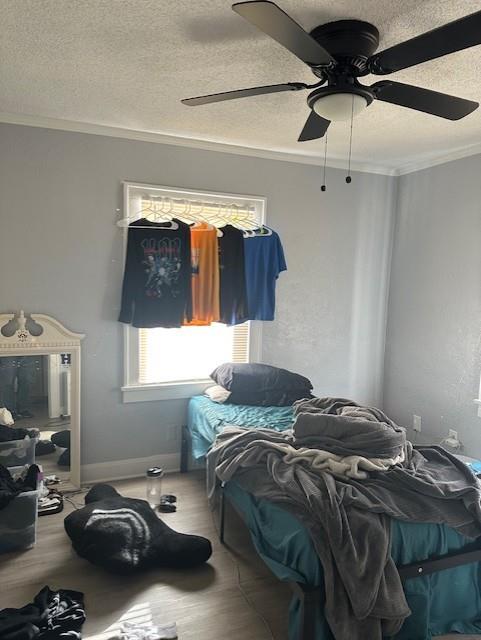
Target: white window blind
column 191, row 353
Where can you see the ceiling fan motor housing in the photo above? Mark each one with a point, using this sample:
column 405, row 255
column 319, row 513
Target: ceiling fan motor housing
column 350, row 43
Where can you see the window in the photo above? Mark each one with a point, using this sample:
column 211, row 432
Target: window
column 190, row 353
column 176, row 363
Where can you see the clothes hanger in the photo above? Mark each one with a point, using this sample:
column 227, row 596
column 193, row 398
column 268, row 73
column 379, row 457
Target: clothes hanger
column 172, row 224
column 155, row 211
column 156, row 215
column 236, row 221
column 262, row 231
column 126, row 224
column 196, row 220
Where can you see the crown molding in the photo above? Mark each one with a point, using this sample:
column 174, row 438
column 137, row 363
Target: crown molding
column 442, row 158
column 223, row 147
column 192, row 143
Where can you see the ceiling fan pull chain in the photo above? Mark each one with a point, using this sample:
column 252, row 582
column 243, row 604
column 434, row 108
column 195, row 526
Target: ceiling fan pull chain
column 323, row 186
column 348, row 177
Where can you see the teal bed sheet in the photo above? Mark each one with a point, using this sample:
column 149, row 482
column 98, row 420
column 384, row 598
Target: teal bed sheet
column 445, row 602
column 206, row 418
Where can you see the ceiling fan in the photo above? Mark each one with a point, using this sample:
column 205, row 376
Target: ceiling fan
column 340, row 52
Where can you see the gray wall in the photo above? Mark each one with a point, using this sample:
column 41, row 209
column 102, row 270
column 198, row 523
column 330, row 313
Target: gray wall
column 433, row 348
column 61, row 254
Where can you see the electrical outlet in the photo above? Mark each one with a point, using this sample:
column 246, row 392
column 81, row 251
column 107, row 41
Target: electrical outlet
column 453, row 434
column 417, row 423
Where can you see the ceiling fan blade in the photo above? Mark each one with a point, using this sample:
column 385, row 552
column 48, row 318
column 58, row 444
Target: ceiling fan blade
column 314, row 128
column 275, row 22
column 243, row 93
column 437, row 104
column 451, row 37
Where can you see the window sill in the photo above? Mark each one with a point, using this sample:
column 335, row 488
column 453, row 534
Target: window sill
column 164, row 391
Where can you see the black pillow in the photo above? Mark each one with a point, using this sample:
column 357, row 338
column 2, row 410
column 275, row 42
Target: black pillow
column 261, row 384
column 273, row 398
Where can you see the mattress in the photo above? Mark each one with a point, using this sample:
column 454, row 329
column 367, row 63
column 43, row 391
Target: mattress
column 445, row 602
column 207, row 418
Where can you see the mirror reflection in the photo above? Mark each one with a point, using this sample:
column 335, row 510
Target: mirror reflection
column 35, row 395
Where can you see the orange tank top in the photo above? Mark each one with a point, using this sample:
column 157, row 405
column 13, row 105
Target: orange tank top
column 205, row 275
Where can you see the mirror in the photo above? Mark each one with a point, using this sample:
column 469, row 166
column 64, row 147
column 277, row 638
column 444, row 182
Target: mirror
column 36, row 389
column 40, row 388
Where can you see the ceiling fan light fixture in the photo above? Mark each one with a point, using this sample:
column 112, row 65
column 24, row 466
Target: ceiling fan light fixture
column 338, row 107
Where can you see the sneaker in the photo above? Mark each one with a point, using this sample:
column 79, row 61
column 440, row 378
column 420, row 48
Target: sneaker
column 52, row 503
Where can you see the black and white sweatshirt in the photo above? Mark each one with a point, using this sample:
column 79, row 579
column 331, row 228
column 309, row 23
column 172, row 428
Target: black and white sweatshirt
column 156, row 289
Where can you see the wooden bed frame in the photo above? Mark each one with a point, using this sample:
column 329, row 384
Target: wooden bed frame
column 308, row 594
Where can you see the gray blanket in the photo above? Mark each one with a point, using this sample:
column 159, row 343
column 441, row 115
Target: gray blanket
column 348, row 519
column 346, row 428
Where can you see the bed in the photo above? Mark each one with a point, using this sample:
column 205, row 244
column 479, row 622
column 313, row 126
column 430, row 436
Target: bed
column 440, row 569
column 205, row 419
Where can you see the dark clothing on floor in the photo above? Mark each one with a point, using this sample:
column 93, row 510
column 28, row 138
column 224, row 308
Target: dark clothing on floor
column 61, row 439
column 7, row 434
column 44, row 448
column 10, row 488
column 53, row 615
column 124, row 535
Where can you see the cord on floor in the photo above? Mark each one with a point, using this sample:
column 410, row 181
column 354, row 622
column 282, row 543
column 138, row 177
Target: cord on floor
column 67, row 496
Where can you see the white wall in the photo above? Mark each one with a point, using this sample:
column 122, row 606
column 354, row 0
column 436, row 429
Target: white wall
column 433, row 350
column 61, row 254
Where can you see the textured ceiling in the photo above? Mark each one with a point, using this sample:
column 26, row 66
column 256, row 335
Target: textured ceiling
column 127, row 63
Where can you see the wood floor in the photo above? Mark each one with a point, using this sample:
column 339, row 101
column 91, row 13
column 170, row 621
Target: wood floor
column 233, row 596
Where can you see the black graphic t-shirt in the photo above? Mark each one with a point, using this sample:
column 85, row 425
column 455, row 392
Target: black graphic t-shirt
column 156, row 290
column 233, row 296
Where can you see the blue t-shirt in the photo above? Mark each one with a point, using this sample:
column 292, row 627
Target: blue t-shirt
column 264, row 260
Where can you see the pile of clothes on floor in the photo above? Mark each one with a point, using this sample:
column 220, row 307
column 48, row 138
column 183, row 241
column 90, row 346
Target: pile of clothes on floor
column 29, row 478
column 49, row 500
column 60, row 615
column 59, row 440
column 125, row 535
column 11, row 434
column 344, row 470
column 53, row 615
column 11, row 487
column 257, row 385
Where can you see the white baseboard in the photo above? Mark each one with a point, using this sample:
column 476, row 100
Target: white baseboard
column 131, row 468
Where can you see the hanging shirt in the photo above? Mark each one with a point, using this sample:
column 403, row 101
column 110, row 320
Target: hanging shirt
column 156, row 290
column 233, row 295
column 205, row 275
column 264, row 261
